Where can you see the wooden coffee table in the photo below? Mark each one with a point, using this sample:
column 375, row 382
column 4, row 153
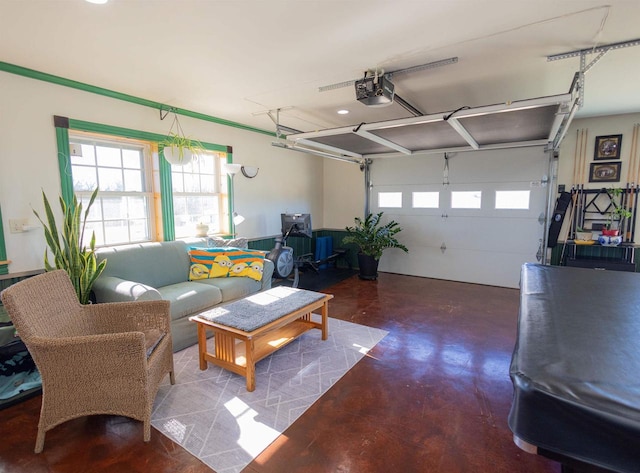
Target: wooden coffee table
column 239, row 350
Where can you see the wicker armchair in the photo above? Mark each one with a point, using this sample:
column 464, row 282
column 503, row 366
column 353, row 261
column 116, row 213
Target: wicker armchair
column 93, row 359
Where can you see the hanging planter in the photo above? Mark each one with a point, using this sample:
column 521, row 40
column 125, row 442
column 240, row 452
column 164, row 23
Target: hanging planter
column 178, row 149
column 178, row 155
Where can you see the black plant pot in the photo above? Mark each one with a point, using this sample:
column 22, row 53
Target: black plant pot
column 368, row 267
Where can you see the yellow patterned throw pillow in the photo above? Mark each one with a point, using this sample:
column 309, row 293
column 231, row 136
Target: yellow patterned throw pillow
column 225, row 262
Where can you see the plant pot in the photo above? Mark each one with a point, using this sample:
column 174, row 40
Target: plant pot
column 606, row 232
column 173, row 155
column 584, row 236
column 606, row 240
column 368, row 267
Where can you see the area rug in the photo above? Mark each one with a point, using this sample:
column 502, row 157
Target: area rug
column 213, row 416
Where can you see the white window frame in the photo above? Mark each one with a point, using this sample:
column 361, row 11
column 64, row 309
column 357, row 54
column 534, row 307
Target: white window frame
column 96, row 220
column 220, row 192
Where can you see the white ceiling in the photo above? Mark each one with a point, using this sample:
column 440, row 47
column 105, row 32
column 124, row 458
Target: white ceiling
column 237, row 59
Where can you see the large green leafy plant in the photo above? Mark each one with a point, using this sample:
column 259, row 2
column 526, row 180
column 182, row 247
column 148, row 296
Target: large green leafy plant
column 372, row 237
column 66, row 246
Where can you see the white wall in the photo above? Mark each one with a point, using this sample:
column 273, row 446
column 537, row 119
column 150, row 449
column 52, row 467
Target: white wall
column 344, row 193
column 287, row 180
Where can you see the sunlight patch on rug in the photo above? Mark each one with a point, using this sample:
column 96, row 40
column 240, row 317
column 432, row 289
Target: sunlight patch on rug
column 213, row 416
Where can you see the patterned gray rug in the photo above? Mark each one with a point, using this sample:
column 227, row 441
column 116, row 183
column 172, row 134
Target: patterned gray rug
column 211, row 414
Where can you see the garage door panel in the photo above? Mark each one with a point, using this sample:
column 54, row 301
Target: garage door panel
column 458, row 265
column 482, row 245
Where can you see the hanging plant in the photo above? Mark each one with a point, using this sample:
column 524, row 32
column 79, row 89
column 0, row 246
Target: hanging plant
column 178, row 148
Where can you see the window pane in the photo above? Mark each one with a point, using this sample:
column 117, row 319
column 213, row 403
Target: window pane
column 191, row 183
column 132, row 180
column 84, row 178
column 512, row 200
column 108, row 156
column 132, row 158
column 116, row 231
column 426, row 200
column 114, row 208
column 207, row 164
column 137, row 207
column 90, row 228
column 110, row 179
column 87, row 158
column 466, row 199
column 207, row 184
column 390, row 199
column 138, row 229
column 95, row 213
column 177, row 184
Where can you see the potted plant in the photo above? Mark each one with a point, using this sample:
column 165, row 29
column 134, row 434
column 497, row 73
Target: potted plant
column 68, row 251
column 178, row 149
column 372, row 237
column 583, row 235
column 616, row 216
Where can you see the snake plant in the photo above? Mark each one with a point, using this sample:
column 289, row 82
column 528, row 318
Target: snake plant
column 66, row 246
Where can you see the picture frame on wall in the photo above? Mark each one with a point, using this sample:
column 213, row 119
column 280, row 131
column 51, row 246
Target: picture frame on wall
column 607, row 147
column 605, row 172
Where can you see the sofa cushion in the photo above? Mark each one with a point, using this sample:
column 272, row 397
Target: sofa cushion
column 217, row 242
column 155, row 264
column 189, row 297
column 233, row 288
column 225, row 262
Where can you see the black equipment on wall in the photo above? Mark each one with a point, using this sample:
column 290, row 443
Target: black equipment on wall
column 564, row 199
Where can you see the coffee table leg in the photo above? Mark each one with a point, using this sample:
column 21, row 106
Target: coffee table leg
column 202, row 346
column 251, row 366
column 325, row 320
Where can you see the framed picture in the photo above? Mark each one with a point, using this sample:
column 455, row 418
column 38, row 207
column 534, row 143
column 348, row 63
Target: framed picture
column 605, row 172
column 608, row 147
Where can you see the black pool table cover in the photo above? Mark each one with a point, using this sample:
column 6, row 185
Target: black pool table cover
column 576, row 365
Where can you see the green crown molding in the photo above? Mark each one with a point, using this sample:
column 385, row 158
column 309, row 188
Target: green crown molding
column 43, row 76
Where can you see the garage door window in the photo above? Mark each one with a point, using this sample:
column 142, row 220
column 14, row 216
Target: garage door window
column 466, row 199
column 425, row 200
column 390, row 199
column 514, row 200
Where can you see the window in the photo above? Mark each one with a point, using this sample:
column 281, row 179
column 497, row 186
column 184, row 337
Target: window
column 425, row 200
column 200, row 194
column 120, row 168
column 466, row 199
column 517, row 200
column 390, row 199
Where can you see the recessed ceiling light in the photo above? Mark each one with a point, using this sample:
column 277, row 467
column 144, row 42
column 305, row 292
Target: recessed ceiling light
column 97, row 2
column 343, row 112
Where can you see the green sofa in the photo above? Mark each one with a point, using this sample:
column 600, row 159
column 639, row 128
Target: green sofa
column 160, row 270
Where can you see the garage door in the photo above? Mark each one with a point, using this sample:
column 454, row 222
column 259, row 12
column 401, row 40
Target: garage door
column 474, row 217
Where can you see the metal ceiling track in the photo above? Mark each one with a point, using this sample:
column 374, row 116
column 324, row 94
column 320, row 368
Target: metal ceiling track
column 566, row 108
column 595, row 50
column 389, row 75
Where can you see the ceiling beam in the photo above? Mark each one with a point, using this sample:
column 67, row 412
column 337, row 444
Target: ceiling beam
column 462, row 131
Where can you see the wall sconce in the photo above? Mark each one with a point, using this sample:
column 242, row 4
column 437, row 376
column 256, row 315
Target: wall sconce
column 249, row 171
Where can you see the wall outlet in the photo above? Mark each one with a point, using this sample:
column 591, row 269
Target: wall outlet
column 17, row 225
